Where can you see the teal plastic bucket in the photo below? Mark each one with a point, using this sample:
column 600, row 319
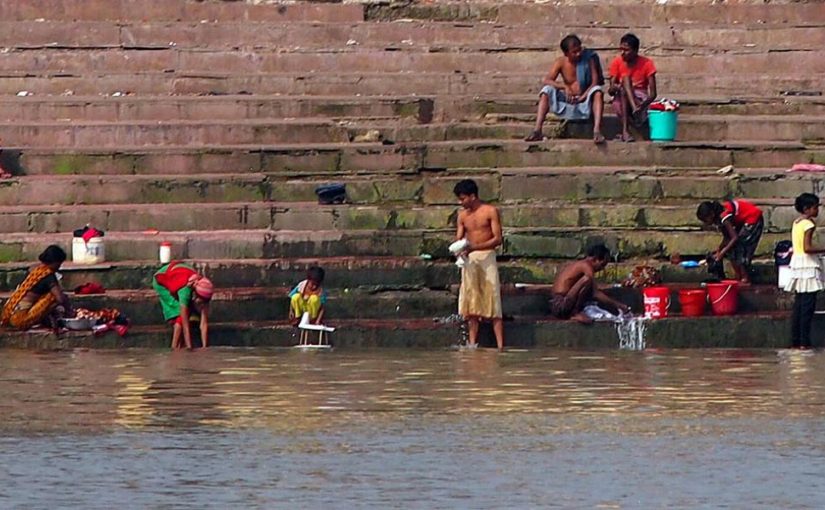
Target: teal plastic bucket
column 663, row 125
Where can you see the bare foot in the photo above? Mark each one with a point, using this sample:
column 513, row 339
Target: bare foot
column 627, row 138
column 598, row 138
column 744, row 282
column 535, row 136
column 581, row 318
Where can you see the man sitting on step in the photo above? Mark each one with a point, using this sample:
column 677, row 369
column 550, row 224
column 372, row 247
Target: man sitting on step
column 575, row 286
column 579, row 94
column 632, row 84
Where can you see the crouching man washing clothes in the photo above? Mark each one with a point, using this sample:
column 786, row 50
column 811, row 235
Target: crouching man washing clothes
column 480, row 294
column 183, row 294
column 575, row 286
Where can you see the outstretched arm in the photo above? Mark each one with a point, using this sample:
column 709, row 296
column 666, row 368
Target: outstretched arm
column 205, row 326
column 603, row 298
column 808, row 243
column 731, row 235
column 184, row 325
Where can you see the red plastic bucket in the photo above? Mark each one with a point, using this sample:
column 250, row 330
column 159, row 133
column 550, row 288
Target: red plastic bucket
column 724, row 297
column 657, row 302
column 693, row 302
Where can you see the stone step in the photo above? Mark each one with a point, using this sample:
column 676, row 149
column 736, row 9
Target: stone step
column 344, row 218
column 210, row 108
column 498, row 108
column 588, row 14
column 630, row 185
column 375, row 158
column 163, row 10
column 688, row 63
column 518, row 242
column 692, row 128
column 366, row 273
column 399, row 36
column 750, row 331
column 272, row 304
column 522, row 108
column 487, row 82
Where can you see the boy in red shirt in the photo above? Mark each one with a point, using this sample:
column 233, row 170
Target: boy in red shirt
column 632, row 84
column 741, row 224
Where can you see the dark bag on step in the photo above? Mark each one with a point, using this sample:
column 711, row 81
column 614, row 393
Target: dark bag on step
column 331, row 194
column 782, row 253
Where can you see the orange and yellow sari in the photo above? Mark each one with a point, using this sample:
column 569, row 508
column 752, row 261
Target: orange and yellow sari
column 25, row 318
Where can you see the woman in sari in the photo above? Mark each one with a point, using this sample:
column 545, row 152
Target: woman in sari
column 39, row 295
column 183, row 293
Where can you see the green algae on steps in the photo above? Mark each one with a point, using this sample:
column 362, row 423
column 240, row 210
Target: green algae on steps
column 743, row 332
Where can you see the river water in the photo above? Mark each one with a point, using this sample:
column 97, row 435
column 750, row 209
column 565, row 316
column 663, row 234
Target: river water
column 235, row 428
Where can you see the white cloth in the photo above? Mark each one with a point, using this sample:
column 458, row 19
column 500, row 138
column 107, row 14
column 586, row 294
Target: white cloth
column 806, row 274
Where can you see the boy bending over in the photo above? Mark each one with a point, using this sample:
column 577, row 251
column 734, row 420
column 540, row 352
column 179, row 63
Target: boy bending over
column 308, row 296
column 576, row 285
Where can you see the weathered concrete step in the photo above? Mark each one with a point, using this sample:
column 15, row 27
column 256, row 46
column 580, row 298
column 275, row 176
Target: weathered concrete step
column 311, row 216
column 518, row 242
column 271, row 304
column 502, row 185
column 751, row 331
column 308, row 36
column 210, row 108
column 719, row 128
column 155, row 133
column 340, row 159
column 162, row 10
column 713, row 128
column 522, row 108
column 366, row 60
column 503, row 107
column 369, row 273
column 587, row 14
column 378, row 83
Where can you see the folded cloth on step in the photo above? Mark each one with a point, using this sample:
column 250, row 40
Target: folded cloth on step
column 90, row 288
column 807, row 167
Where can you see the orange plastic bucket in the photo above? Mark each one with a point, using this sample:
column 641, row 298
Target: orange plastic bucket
column 724, row 297
column 657, row 302
column 693, row 302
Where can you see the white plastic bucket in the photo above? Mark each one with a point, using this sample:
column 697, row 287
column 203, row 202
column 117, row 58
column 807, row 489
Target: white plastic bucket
column 784, row 276
column 92, row 252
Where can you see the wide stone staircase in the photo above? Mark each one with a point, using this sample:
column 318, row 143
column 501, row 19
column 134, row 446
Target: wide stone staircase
column 209, row 124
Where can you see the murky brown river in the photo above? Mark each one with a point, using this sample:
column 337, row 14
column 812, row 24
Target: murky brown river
column 411, row 429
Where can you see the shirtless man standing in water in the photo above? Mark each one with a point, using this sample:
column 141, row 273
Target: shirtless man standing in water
column 480, row 293
column 576, row 285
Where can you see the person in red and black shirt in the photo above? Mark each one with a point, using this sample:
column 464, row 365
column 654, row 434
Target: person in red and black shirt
column 741, row 224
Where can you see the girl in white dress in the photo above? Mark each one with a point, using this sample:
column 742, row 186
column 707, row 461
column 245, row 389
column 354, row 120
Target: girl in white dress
column 806, row 270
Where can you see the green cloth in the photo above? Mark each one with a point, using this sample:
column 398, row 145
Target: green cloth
column 169, row 304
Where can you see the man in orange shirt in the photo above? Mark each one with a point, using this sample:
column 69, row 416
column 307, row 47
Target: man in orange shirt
column 632, row 84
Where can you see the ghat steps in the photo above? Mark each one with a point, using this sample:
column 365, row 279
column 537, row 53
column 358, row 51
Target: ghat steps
column 229, row 114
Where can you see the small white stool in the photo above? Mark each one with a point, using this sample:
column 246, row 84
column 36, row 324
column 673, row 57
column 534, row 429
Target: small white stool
column 306, row 329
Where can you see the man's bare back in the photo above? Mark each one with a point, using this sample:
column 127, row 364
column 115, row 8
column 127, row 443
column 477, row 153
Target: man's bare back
column 570, row 274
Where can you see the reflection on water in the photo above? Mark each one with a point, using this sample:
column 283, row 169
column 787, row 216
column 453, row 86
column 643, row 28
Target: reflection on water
column 346, row 429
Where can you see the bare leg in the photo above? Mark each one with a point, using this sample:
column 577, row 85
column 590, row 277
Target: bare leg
column 741, row 273
column 598, row 111
column 624, row 114
column 544, row 107
column 581, row 292
column 498, row 330
column 472, row 328
column 176, row 332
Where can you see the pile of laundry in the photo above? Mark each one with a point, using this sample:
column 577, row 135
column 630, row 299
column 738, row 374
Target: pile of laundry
column 642, row 276
column 664, row 105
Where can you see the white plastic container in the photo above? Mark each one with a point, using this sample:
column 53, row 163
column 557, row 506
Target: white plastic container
column 165, row 252
column 784, row 275
column 91, row 252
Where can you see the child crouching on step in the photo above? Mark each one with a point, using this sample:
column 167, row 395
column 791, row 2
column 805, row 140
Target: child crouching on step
column 308, row 296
